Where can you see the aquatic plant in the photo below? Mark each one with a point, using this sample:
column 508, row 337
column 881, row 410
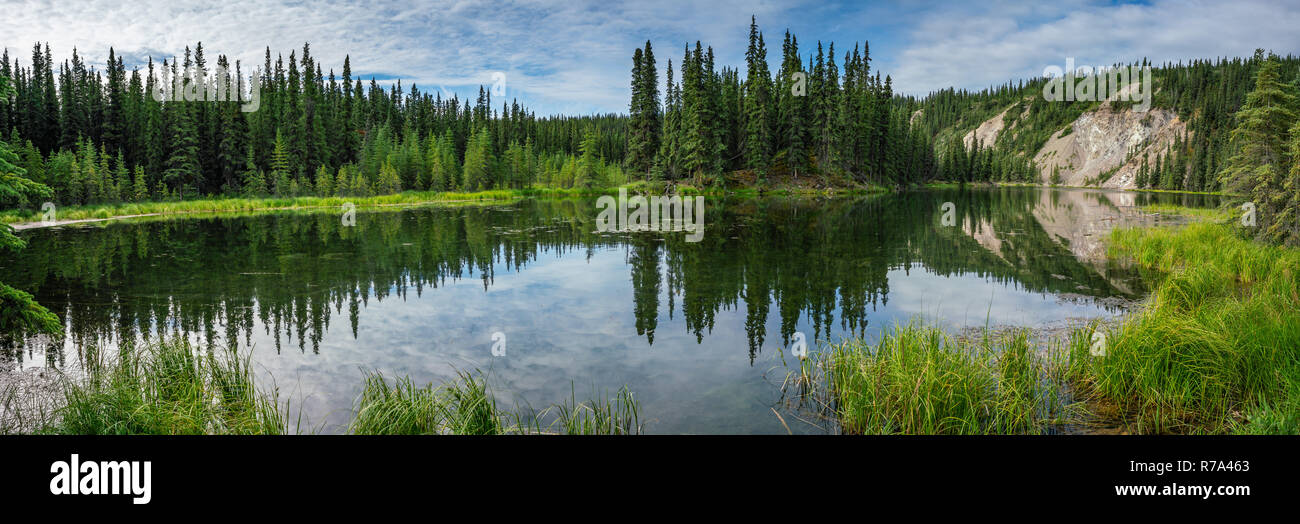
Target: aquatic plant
column 168, row 388
column 919, row 380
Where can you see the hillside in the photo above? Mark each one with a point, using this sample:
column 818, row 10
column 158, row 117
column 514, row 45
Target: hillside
column 1011, row 133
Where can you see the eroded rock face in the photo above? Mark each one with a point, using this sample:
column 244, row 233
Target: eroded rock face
column 987, row 132
column 1097, row 142
column 1105, row 139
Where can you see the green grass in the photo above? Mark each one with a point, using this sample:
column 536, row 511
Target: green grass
column 1202, row 213
column 408, row 198
column 1178, row 191
column 619, row 415
column 1216, row 349
column 226, row 205
column 918, row 380
column 465, row 406
column 168, row 388
column 25, row 409
column 173, row 388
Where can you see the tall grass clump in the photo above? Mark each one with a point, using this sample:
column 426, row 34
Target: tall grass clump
column 619, row 415
column 917, row 380
column 465, row 406
column 168, row 388
column 460, row 407
column 23, row 410
column 1217, row 347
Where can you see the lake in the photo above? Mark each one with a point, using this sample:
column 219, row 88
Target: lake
column 696, row 330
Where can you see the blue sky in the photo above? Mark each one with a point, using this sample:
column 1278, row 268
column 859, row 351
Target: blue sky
column 574, row 56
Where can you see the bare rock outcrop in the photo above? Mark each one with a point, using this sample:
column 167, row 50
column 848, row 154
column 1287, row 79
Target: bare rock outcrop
column 987, row 132
column 1107, row 140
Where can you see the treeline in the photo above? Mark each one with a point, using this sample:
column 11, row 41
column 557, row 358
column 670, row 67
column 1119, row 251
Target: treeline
column 100, row 136
column 806, row 119
column 1208, row 95
column 973, row 162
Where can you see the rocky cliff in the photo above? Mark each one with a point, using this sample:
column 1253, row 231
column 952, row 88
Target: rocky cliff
column 1103, row 147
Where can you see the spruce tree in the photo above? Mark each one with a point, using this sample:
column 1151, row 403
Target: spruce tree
column 280, row 166
column 1258, row 165
column 182, row 165
column 1285, row 227
column 19, row 312
column 254, row 183
column 587, row 175
column 758, row 140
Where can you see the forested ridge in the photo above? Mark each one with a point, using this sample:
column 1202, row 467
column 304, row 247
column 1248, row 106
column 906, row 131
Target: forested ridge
column 1205, row 93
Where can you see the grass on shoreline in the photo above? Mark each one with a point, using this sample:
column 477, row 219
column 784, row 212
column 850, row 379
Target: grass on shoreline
column 918, row 380
column 173, row 388
column 169, row 389
column 1217, row 349
column 237, row 204
column 226, row 205
column 465, row 406
column 1201, row 213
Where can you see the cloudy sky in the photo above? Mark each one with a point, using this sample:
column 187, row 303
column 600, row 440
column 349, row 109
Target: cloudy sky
column 574, row 56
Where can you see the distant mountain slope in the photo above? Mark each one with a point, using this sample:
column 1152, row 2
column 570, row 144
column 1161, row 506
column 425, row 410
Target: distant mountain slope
column 1013, row 133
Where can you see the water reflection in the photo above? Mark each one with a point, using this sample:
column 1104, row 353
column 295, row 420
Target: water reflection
column 692, row 328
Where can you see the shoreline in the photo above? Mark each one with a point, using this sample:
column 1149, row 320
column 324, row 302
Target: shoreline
column 22, row 220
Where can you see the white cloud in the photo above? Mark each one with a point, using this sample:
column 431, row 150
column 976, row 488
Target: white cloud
column 574, row 56
column 989, row 44
column 559, row 57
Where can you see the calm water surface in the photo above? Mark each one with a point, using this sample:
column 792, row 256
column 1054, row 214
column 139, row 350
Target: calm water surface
column 695, row 330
